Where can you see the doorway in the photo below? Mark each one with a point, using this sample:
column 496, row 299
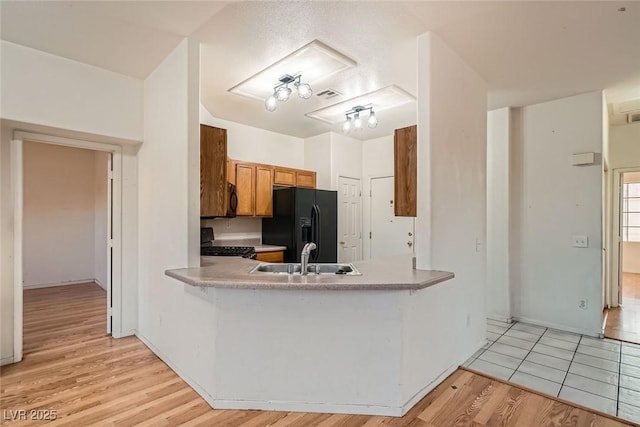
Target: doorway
column 349, row 219
column 389, row 234
column 29, row 220
column 623, row 319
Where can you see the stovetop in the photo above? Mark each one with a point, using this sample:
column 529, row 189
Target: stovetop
column 243, row 251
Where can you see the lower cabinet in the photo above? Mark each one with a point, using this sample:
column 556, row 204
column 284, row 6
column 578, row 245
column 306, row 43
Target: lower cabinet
column 275, row 256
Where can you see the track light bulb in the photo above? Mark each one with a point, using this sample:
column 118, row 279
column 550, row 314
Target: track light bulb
column 304, row 90
column 283, row 92
column 271, row 103
column 373, row 120
column 346, row 126
column 357, row 122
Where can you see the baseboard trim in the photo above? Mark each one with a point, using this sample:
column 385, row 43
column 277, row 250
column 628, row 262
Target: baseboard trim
column 192, row 383
column 6, row 360
column 557, row 326
column 53, row 284
column 99, row 283
column 325, row 408
column 499, row 318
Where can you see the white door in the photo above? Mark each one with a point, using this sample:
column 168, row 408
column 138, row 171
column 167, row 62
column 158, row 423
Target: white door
column 349, row 219
column 390, row 234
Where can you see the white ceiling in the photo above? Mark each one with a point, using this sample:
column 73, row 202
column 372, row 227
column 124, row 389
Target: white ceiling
column 528, row 52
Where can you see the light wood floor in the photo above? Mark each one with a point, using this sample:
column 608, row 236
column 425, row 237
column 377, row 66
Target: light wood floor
column 623, row 323
column 71, row 366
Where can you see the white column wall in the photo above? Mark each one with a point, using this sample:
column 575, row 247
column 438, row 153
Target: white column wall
column 170, row 315
column 451, row 221
column 557, row 201
column 498, row 182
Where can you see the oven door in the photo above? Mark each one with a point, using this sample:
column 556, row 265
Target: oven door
column 232, row 204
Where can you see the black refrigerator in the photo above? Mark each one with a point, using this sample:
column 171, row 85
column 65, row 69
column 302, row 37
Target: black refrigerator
column 302, row 215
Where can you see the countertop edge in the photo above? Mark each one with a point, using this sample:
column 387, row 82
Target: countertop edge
column 256, row 285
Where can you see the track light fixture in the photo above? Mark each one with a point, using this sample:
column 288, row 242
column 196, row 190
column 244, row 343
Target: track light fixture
column 356, row 122
column 282, row 91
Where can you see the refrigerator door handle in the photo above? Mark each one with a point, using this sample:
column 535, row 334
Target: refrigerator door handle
column 318, row 232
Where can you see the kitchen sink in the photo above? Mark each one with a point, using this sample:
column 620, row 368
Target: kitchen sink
column 295, row 268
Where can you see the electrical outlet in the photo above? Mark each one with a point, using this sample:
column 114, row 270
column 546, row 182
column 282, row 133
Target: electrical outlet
column 580, row 242
column 583, row 304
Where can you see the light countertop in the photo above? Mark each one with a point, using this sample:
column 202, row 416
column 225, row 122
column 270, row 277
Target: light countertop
column 255, row 243
column 392, row 273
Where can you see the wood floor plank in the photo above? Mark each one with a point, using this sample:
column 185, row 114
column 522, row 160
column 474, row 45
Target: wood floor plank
column 90, row 379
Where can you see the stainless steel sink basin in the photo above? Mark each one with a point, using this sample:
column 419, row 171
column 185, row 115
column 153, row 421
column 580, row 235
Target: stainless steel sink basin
column 294, row 268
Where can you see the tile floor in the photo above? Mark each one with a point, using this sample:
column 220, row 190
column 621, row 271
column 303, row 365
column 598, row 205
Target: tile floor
column 602, row 374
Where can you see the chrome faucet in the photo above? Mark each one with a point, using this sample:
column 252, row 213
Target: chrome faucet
column 304, row 257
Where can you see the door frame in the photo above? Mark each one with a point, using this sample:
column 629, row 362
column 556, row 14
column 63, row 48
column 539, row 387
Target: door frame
column 616, row 240
column 361, row 216
column 114, row 205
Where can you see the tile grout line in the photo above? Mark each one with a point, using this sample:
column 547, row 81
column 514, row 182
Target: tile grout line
column 492, row 343
column 570, row 363
column 526, row 355
column 619, row 378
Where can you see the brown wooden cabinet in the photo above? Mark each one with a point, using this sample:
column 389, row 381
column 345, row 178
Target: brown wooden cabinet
column 213, row 171
column 405, row 166
column 289, row 177
column 254, row 186
column 272, row 256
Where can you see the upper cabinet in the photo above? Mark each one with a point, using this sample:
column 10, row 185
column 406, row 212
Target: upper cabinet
column 254, row 186
column 213, row 171
column 289, row 177
column 405, row 166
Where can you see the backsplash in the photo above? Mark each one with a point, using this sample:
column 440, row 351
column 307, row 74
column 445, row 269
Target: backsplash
column 234, row 228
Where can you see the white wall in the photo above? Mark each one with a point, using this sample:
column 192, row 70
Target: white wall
column 498, row 253
column 377, row 161
column 251, row 144
column 451, row 208
column 624, row 146
column 56, row 96
column 346, row 158
column 41, row 88
column 317, row 157
column 168, row 313
column 6, row 249
column 558, row 201
column 58, row 215
column 100, row 203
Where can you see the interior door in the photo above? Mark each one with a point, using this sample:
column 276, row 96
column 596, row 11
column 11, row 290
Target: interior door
column 390, row 234
column 349, row 219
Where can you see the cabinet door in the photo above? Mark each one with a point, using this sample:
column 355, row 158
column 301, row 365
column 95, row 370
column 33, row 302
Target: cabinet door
column 275, row 256
column 245, row 187
column 405, row 166
column 284, row 176
column 305, row 179
column 213, row 171
column 264, row 190
column 231, row 171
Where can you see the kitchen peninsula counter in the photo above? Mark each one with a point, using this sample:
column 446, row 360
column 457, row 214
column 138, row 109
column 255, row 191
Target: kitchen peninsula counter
column 373, row 344
column 392, row 273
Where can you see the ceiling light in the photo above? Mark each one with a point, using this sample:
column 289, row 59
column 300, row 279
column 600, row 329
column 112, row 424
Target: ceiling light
column 346, row 126
column 304, row 90
column 282, row 91
column 372, row 122
column 356, row 122
column 315, row 61
column 271, row 103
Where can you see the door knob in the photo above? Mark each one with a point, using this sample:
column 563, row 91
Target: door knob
column 342, row 243
column 409, row 244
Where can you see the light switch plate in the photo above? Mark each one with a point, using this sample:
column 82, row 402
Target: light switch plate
column 580, row 241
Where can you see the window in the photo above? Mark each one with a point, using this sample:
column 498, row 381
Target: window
column 631, row 212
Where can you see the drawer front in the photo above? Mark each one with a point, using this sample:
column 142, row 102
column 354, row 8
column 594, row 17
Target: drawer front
column 276, row 256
